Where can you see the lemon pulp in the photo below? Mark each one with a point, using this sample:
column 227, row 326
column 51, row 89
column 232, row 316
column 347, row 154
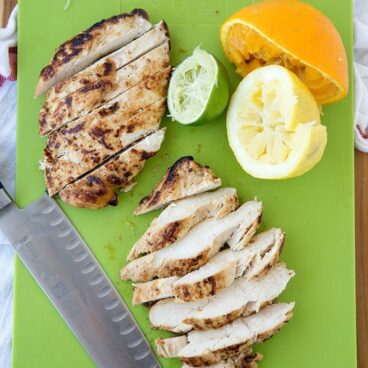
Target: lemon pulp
column 273, row 124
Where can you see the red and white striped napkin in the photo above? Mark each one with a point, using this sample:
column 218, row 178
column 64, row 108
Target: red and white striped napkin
column 361, row 74
column 8, row 49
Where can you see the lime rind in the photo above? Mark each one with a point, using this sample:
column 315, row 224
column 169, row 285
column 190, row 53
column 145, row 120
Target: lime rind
column 199, row 89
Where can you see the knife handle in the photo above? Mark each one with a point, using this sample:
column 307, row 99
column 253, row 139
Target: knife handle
column 5, row 198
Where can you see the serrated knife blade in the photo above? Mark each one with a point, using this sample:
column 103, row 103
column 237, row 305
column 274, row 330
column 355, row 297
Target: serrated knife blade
column 71, row 277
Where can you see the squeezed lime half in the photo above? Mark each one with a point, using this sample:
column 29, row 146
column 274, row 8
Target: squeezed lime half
column 198, row 90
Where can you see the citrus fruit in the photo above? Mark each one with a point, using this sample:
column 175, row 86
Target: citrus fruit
column 292, row 34
column 198, row 90
column 273, row 124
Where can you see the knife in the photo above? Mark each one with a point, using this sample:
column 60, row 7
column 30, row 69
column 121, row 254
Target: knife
column 69, row 274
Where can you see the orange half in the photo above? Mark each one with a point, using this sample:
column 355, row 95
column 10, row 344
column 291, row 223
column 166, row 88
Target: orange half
column 292, row 34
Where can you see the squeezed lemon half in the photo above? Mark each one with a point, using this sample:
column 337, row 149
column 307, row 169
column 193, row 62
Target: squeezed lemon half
column 273, row 124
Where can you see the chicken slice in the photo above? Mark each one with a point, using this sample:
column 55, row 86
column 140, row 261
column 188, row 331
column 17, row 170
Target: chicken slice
column 211, row 346
column 261, row 254
column 247, row 359
column 170, row 347
column 153, row 290
column 266, row 247
column 88, row 46
column 98, row 188
column 183, row 179
column 208, row 280
column 244, row 297
column 179, row 217
column 83, row 144
column 169, row 315
column 241, row 298
column 121, row 57
column 242, row 236
column 221, row 270
column 59, row 112
column 194, row 250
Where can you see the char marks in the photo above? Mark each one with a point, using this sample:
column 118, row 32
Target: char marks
column 97, row 114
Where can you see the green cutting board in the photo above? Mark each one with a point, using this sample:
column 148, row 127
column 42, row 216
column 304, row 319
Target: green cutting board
column 316, row 210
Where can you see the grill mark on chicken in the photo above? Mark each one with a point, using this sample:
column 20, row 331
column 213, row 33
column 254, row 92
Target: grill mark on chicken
column 98, row 188
column 105, row 111
column 71, row 48
column 68, row 100
column 95, row 154
column 184, row 178
column 108, row 133
column 101, row 84
column 202, row 243
column 247, row 359
column 181, row 216
column 77, row 128
column 86, row 99
column 122, row 57
column 92, row 93
column 212, row 346
column 243, row 298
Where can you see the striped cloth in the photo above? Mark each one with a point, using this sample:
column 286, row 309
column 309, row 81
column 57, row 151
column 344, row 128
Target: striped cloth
column 8, row 50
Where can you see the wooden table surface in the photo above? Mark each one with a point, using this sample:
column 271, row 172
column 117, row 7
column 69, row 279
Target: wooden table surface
column 361, row 226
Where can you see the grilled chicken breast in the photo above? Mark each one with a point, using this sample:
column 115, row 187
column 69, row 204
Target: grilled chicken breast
column 88, row 46
column 241, row 298
column 98, row 188
column 56, row 114
column 153, row 290
column 208, row 280
column 185, row 178
column 176, row 220
column 221, row 271
column 262, row 253
column 148, row 41
column 211, row 346
column 86, row 142
column 247, row 359
column 195, row 249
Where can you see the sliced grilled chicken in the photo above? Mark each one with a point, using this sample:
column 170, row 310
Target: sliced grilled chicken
column 88, row 46
column 208, row 280
column 211, row 278
column 220, row 271
column 153, row 290
column 98, row 188
column 169, row 315
column 179, row 217
column 101, row 68
column 56, row 114
column 267, row 247
column 86, row 142
column 247, row 359
column 185, row 178
column 243, row 235
column 211, row 346
column 194, row 250
column 170, row 348
column 241, row 298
